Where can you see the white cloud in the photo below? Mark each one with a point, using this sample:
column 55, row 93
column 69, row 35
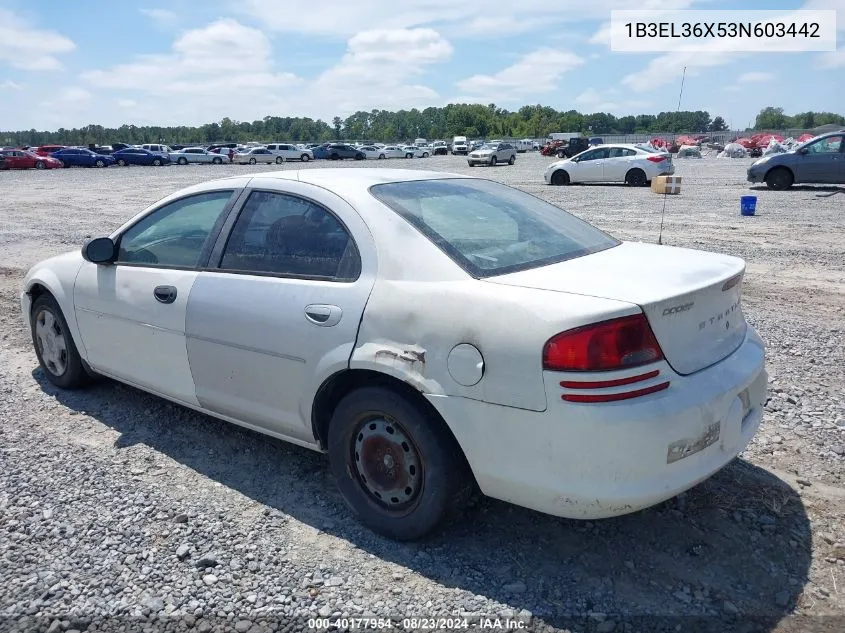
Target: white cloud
column 834, row 59
column 206, row 68
column 341, row 18
column 162, row 17
column 73, row 95
column 755, row 77
column 592, row 100
column 23, row 46
column 536, row 72
column 127, row 103
column 10, row 85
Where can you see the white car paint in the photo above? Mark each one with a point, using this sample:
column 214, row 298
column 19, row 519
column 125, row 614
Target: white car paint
column 197, row 155
column 371, row 151
column 257, row 155
column 393, row 151
column 216, row 348
column 288, row 151
column 416, row 151
column 611, row 163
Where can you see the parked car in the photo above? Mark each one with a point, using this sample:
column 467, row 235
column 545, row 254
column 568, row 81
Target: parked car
column 2, row 161
column 459, row 145
column 257, row 155
column 634, row 165
column 371, row 151
column 140, row 156
column 415, row 151
column 197, row 155
column 289, row 151
column 339, row 151
column 821, row 160
column 47, row 150
column 492, row 154
column 216, row 297
column 439, row 148
column 78, row 157
column 219, row 146
column 116, row 147
column 158, row 148
column 393, row 151
column 104, row 150
column 22, row 159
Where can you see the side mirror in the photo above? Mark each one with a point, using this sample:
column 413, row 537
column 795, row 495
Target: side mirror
column 802, row 151
column 99, row 250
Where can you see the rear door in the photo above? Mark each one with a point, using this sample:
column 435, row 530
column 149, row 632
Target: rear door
column 617, row 163
column 278, row 310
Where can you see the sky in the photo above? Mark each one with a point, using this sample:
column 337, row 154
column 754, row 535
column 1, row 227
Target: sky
column 183, row 62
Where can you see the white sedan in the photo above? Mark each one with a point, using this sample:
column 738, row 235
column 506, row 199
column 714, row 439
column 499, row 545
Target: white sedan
column 197, row 155
column 416, row 151
column 634, row 165
column 371, row 151
column 534, row 356
column 255, row 155
column 393, row 151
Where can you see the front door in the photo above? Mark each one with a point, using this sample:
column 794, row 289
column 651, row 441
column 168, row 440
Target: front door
column 280, row 312
column 823, row 162
column 131, row 314
column 590, row 165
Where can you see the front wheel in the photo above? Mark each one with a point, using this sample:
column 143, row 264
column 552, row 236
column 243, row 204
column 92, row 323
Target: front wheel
column 121, row 162
column 54, row 347
column 360, row 157
column 511, row 160
column 217, row 161
column 100, row 163
column 395, row 463
column 157, row 162
column 493, row 161
column 279, row 160
column 305, row 158
column 381, row 156
column 779, row 179
column 252, row 161
column 425, row 154
column 182, row 161
column 560, row 178
column 39, row 164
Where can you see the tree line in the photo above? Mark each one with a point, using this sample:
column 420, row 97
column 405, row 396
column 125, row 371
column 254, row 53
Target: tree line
column 472, row 120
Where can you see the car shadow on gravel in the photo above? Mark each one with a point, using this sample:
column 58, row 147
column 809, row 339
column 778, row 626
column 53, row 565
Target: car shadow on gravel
column 734, row 549
column 798, row 188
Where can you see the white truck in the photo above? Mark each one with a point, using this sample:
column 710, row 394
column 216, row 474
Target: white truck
column 459, row 145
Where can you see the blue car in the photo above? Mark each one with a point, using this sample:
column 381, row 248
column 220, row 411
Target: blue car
column 138, row 156
column 77, row 157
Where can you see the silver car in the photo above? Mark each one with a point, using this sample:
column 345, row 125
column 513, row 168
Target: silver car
column 197, row 155
column 492, row 154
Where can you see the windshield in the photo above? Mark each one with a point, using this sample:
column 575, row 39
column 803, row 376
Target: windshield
column 488, row 228
column 489, row 146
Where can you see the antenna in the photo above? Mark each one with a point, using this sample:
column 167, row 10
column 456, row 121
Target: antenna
column 663, row 212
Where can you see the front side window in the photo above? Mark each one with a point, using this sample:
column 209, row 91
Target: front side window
column 488, row 228
column 282, row 234
column 175, row 234
column 829, row 145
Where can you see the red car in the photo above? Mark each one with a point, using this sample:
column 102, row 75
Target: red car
column 46, row 150
column 21, row 159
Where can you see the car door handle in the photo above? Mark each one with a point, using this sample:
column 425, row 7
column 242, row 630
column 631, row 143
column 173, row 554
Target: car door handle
column 165, row 294
column 323, row 315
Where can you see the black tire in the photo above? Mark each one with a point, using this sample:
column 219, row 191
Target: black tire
column 279, row 160
column 511, row 160
column 100, row 163
column 560, row 178
column 360, row 157
column 157, row 162
column 636, row 178
column 425, row 155
column 334, row 157
column 216, row 161
column 74, row 375
column 408, row 155
column 493, row 160
column 252, row 161
column 779, row 179
column 182, row 160
column 381, row 156
column 66, row 164
column 39, row 164
column 437, row 485
column 121, row 162
column 304, row 158
column 561, row 154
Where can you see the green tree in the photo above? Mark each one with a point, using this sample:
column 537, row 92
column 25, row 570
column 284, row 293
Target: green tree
column 771, row 119
column 718, row 125
column 337, row 123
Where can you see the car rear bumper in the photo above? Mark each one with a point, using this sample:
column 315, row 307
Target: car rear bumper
column 593, row 461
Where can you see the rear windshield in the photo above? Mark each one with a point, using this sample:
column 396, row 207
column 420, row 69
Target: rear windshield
column 488, row 228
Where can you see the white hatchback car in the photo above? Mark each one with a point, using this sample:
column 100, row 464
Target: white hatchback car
column 634, row 165
column 533, row 355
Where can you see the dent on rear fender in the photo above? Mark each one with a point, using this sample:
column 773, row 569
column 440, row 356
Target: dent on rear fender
column 405, row 361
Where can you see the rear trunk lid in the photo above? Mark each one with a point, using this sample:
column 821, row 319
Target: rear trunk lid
column 691, row 298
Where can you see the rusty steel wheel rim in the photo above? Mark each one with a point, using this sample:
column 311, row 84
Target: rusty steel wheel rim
column 387, row 463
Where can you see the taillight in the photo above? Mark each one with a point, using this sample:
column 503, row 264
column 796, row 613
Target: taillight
column 615, row 344
column 657, row 159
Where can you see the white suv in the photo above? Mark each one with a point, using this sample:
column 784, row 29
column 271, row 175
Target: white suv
column 160, row 149
column 288, row 151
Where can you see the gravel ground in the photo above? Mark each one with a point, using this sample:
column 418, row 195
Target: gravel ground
column 118, row 509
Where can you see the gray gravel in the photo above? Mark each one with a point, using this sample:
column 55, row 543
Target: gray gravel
column 118, row 509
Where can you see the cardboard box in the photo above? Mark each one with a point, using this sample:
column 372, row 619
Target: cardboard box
column 666, row 184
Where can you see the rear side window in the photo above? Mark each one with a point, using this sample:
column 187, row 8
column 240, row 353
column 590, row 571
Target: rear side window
column 488, row 228
column 281, row 234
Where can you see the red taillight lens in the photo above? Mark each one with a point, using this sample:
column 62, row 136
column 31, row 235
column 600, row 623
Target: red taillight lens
column 656, row 159
column 614, row 344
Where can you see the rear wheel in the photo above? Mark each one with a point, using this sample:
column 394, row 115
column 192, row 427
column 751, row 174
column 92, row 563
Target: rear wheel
column 560, row 178
column 39, row 164
column 334, row 157
column 182, row 160
column 305, row 158
column 409, row 155
column 360, row 157
column 636, row 178
column 493, row 160
column 121, row 162
column 217, row 161
column 157, row 162
column 425, row 154
column 54, row 345
column 100, row 163
column 511, row 160
column 396, row 464
column 252, row 161
column 381, row 156
column 66, row 164
column 779, row 179
column 279, row 160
